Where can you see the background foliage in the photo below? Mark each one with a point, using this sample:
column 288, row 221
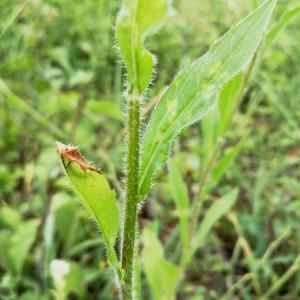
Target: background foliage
column 60, row 78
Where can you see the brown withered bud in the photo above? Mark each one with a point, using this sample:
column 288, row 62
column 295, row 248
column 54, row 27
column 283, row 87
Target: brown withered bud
column 69, row 153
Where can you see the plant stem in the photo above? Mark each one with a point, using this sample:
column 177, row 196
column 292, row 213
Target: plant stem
column 131, row 200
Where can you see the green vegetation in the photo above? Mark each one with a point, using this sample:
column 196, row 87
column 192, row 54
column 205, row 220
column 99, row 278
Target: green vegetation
column 197, row 195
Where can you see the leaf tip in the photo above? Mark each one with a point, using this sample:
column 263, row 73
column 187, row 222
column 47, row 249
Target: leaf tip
column 70, row 153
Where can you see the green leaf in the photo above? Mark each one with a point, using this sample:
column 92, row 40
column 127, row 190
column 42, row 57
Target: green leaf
column 10, row 217
column 180, row 195
column 161, row 274
column 209, row 127
column 64, row 210
column 196, row 89
column 214, row 213
column 49, row 249
column 136, row 21
column 138, row 287
column 21, row 243
column 216, row 123
column 107, row 108
column 228, row 101
column 286, row 18
column 94, row 191
column 281, row 24
column 225, row 162
column 5, row 240
column 16, row 245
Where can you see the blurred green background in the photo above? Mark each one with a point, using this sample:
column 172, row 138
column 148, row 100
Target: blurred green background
column 61, row 79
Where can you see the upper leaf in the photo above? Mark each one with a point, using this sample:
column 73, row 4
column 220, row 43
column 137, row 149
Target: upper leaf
column 94, row 191
column 136, row 21
column 196, row 89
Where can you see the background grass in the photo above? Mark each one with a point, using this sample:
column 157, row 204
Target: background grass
column 61, row 78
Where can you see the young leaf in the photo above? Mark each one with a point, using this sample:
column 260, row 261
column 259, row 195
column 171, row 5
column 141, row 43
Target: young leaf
column 283, row 22
column 136, row 21
column 209, row 128
column 161, row 274
column 94, row 191
column 286, row 18
column 214, row 213
column 181, row 198
column 225, row 162
column 195, row 89
column 228, row 101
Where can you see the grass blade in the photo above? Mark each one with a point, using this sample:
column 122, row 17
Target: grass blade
column 214, row 213
column 180, row 195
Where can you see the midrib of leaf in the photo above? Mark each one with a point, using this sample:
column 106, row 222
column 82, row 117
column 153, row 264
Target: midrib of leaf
column 156, row 146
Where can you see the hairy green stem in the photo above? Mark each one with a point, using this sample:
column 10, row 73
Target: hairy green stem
column 131, row 199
